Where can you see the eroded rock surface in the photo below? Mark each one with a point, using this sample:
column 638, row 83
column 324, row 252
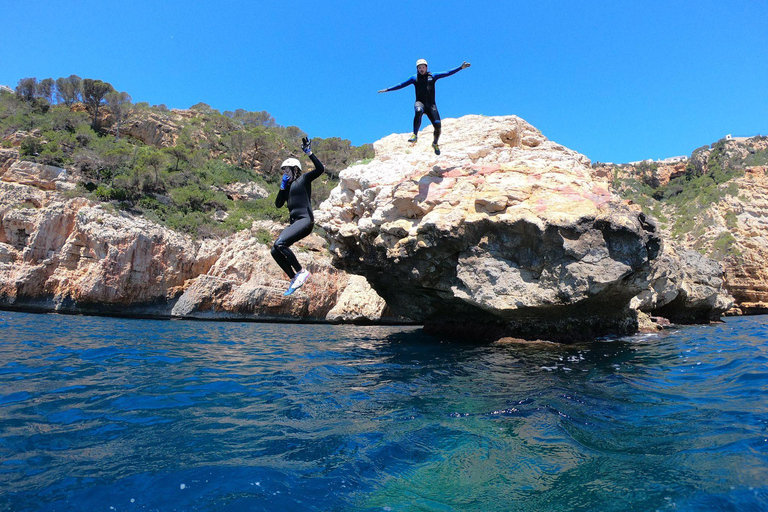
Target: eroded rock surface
column 73, row 255
column 505, row 230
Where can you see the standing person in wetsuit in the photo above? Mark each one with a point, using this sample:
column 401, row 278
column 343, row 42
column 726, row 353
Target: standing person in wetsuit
column 424, row 81
column 296, row 189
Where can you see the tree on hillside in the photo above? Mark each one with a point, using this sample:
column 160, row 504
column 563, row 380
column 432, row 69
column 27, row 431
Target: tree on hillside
column 152, row 158
column 238, row 142
column 180, row 153
column 252, row 119
column 27, row 88
column 45, row 89
column 94, row 92
column 268, row 150
column 120, row 105
column 336, row 153
column 203, row 108
column 69, row 90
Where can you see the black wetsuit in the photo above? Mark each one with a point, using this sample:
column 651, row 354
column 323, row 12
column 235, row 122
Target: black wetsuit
column 425, row 98
column 297, row 195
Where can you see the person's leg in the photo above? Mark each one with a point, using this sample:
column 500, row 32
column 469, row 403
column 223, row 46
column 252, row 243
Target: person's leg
column 418, row 111
column 434, row 118
column 281, row 251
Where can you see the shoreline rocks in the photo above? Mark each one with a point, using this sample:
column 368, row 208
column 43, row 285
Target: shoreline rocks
column 76, row 256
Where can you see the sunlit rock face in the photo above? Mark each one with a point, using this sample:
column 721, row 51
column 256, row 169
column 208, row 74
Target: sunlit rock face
column 505, row 230
column 731, row 225
column 73, row 255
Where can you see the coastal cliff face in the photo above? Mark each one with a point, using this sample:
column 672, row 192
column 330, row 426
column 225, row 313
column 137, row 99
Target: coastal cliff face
column 508, row 231
column 737, row 235
column 723, row 218
column 73, row 255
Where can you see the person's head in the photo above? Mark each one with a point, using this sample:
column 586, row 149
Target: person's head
column 421, row 66
column 291, row 167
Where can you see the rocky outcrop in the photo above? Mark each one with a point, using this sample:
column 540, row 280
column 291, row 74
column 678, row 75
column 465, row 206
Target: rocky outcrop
column 358, row 303
column 505, row 230
column 7, row 158
column 653, row 174
column 683, row 287
column 244, row 191
column 728, row 224
column 152, row 128
column 46, row 177
column 738, row 235
column 72, row 255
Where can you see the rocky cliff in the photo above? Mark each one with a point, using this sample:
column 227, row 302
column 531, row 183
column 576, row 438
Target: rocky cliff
column 510, row 232
column 73, row 255
column 715, row 203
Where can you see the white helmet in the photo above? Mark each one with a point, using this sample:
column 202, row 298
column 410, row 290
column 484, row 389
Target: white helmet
column 291, row 162
column 421, row 61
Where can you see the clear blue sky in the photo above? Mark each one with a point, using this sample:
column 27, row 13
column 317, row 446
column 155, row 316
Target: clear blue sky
column 616, row 80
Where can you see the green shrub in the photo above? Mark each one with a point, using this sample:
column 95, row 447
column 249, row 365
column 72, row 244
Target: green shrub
column 131, row 175
column 30, row 146
column 264, row 237
column 722, row 245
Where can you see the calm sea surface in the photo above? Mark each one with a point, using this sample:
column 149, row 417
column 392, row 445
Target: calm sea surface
column 103, row 414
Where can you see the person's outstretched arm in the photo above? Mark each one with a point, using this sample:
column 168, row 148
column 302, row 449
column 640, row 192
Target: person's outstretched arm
column 443, row 74
column 306, row 147
column 411, row 80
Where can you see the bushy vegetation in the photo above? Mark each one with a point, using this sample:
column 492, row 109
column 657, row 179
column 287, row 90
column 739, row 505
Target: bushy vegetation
column 81, row 124
column 681, row 204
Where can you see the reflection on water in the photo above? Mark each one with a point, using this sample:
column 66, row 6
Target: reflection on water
column 149, row 415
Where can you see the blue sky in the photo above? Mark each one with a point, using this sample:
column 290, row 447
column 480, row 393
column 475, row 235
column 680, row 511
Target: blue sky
column 616, row 80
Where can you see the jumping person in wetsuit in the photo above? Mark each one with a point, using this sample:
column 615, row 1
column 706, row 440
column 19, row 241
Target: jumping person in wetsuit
column 424, row 81
column 296, row 189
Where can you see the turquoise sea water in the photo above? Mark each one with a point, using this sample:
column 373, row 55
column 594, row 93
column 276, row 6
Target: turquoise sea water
column 103, row 414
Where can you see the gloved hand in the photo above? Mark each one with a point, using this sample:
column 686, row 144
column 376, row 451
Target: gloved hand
column 306, row 146
column 285, row 182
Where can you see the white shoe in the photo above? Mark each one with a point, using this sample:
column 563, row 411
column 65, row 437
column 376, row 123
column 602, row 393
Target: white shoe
column 291, row 287
column 301, row 278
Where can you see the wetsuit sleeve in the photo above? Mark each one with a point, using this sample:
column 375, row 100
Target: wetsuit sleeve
column 443, row 74
column 318, row 170
column 282, row 197
column 411, row 80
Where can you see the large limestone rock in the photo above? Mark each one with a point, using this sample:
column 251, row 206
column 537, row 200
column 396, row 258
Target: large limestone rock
column 683, row 286
column 154, row 129
column 505, row 230
column 46, row 177
column 72, row 255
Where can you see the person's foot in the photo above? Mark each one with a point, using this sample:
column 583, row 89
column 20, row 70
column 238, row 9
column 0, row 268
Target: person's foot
column 301, row 278
column 413, row 138
column 291, row 287
column 436, row 148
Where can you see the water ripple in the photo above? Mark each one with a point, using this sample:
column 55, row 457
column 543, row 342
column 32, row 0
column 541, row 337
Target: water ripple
column 115, row 414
